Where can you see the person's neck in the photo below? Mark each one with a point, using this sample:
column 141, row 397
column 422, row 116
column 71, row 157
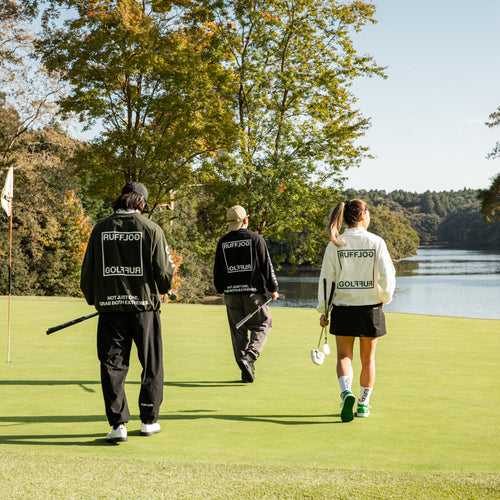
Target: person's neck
column 127, row 211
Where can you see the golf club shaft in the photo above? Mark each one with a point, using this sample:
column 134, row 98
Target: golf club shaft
column 171, row 295
column 69, row 323
column 246, row 318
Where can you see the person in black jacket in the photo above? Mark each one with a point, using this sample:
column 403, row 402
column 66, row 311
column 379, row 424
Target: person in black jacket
column 242, row 272
column 127, row 265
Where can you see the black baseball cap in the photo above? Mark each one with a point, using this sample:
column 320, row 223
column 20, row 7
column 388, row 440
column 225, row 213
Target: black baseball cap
column 135, row 187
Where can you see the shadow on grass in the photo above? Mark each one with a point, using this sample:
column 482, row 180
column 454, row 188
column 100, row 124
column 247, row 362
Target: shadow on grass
column 56, row 440
column 84, row 383
column 76, row 439
column 271, row 419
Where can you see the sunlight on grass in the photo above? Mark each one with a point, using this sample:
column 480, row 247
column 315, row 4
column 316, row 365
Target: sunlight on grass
column 434, row 424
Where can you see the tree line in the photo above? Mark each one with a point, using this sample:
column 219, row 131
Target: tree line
column 208, row 103
column 452, row 218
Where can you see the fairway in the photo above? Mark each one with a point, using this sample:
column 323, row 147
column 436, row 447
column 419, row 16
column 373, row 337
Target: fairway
column 434, row 410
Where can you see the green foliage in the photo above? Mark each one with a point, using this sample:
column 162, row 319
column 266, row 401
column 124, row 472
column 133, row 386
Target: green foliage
column 428, row 212
column 49, row 227
column 427, row 204
column 293, row 65
column 426, row 225
column 150, row 82
column 402, row 241
column 186, row 233
column 465, row 228
column 490, row 198
column 490, row 201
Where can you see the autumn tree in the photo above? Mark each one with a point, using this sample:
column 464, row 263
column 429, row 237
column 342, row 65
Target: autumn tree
column 152, row 85
column 294, row 63
column 50, row 230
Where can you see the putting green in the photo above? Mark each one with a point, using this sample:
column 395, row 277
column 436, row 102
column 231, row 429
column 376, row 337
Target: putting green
column 435, row 402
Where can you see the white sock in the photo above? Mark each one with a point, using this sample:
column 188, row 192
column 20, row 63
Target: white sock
column 345, row 383
column 364, row 395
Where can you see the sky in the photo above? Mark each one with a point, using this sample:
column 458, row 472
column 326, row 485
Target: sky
column 428, row 117
column 428, row 131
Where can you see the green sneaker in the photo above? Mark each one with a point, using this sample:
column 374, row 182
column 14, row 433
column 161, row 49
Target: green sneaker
column 363, row 410
column 348, row 400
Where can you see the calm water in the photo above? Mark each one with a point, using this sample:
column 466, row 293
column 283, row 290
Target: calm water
column 436, row 281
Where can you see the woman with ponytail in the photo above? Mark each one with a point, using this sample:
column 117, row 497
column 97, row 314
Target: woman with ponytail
column 359, row 268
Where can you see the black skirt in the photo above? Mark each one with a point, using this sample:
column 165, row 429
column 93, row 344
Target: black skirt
column 358, row 321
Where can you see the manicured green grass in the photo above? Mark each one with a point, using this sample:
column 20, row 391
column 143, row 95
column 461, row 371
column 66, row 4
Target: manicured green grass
column 433, row 432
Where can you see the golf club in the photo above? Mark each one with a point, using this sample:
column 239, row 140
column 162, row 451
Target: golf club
column 326, row 347
column 246, row 318
column 69, row 323
column 317, row 356
column 171, row 295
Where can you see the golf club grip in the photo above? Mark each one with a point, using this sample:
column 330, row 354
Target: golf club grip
column 69, row 323
column 324, row 288
column 331, row 294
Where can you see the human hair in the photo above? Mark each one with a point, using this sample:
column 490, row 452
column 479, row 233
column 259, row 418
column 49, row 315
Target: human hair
column 131, row 201
column 348, row 212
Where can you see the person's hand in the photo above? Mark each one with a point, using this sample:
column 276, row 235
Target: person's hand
column 275, row 295
column 323, row 321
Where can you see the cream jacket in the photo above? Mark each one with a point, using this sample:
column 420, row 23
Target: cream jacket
column 362, row 271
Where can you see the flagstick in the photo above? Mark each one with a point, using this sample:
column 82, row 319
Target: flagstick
column 6, row 201
column 10, row 285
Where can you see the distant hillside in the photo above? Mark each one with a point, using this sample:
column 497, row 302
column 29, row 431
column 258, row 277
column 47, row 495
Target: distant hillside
column 449, row 217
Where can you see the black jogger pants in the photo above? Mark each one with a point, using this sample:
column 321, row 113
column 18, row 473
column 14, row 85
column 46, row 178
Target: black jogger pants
column 115, row 333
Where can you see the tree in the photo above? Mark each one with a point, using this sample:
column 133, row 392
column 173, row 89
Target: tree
column 426, row 226
column 490, row 201
column 494, row 122
column 402, row 241
column 294, row 64
column 26, row 86
column 427, row 203
column 465, row 228
column 49, row 228
column 490, row 198
column 154, row 86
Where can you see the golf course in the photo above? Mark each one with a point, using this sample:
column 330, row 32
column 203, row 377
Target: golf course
column 433, row 432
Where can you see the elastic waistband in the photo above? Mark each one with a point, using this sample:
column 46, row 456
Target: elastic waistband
column 370, row 306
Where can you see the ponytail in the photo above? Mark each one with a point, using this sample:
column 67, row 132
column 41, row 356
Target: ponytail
column 335, row 223
column 348, row 211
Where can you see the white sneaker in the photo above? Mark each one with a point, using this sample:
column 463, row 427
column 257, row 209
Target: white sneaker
column 117, row 435
column 150, row 429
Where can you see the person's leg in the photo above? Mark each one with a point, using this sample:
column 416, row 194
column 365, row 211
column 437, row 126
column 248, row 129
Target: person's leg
column 113, row 349
column 236, row 312
column 260, row 324
column 345, row 348
column 367, row 347
column 148, row 339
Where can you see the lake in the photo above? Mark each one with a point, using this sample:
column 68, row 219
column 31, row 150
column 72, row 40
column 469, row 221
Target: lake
column 436, row 281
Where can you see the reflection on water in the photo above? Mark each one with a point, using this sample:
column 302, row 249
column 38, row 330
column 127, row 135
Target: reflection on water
column 443, row 261
column 436, row 281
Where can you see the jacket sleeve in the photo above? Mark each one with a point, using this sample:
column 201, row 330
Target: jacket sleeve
column 219, row 270
column 163, row 265
column 87, row 273
column 266, row 266
column 387, row 275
